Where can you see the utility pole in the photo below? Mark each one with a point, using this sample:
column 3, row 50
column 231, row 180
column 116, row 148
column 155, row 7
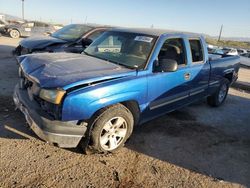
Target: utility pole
column 22, row 9
column 220, row 32
column 85, row 21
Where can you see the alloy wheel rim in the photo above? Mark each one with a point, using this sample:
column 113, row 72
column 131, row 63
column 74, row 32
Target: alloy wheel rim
column 113, row 133
column 222, row 92
column 14, row 34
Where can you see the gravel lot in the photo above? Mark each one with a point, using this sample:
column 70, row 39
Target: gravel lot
column 197, row 146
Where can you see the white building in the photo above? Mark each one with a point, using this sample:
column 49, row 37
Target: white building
column 2, row 17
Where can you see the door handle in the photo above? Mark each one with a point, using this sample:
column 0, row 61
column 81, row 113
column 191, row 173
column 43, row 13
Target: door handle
column 187, row 76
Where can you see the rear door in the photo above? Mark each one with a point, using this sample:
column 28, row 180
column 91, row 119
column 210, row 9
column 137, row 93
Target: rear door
column 27, row 29
column 200, row 68
column 38, row 29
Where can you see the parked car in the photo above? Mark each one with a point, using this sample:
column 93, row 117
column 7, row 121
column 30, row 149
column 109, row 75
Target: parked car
column 241, row 51
column 217, row 51
column 245, row 59
column 230, row 51
column 246, row 55
column 68, row 39
column 28, row 29
column 124, row 78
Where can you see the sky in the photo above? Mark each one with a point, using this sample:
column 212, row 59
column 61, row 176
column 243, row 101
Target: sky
column 200, row 16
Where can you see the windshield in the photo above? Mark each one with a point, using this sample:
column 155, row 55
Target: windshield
column 71, row 32
column 128, row 49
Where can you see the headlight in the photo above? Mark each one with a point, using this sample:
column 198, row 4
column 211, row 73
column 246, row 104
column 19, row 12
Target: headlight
column 24, row 51
column 53, row 96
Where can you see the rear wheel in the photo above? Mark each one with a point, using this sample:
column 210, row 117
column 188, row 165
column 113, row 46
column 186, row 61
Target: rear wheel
column 111, row 129
column 220, row 96
column 14, row 34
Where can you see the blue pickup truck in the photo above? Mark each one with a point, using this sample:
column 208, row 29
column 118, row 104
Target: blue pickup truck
column 124, row 78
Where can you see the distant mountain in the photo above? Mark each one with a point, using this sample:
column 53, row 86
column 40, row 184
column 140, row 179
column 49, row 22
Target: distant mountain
column 241, row 39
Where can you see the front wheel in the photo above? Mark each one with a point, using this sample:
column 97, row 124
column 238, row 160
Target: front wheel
column 14, row 34
column 220, row 96
column 111, row 129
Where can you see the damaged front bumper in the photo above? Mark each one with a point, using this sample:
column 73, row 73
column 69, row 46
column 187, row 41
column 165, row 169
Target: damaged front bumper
column 63, row 134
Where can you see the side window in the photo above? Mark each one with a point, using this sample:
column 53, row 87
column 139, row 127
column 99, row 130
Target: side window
column 39, row 24
column 196, row 50
column 95, row 34
column 173, row 49
column 30, row 24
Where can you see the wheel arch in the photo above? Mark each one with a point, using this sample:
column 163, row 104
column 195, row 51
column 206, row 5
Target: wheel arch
column 229, row 76
column 131, row 105
column 134, row 108
column 14, row 28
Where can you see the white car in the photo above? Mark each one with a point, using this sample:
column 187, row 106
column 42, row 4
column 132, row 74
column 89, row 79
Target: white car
column 230, row 51
column 245, row 59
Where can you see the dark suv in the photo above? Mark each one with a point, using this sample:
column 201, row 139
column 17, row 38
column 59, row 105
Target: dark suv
column 71, row 38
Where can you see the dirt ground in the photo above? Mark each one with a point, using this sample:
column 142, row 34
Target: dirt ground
column 197, row 146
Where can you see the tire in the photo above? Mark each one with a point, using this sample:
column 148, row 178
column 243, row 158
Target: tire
column 14, row 34
column 220, row 96
column 111, row 128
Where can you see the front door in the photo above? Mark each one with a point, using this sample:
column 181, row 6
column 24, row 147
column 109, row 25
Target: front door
column 170, row 90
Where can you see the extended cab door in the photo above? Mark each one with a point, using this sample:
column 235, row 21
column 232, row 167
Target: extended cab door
column 200, row 69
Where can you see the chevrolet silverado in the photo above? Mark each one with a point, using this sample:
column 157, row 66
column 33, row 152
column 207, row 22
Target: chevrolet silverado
column 124, row 78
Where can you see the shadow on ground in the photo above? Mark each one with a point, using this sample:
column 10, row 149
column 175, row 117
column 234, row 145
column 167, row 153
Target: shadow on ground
column 178, row 138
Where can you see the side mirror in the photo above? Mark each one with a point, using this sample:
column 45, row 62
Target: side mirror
column 167, row 65
column 86, row 42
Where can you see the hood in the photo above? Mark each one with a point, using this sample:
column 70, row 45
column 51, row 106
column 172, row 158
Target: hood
column 40, row 42
column 66, row 70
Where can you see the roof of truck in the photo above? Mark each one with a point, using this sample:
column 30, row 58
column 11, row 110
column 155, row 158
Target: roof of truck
column 155, row 32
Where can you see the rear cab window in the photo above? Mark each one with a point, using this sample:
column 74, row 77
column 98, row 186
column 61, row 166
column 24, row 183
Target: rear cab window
column 196, row 50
